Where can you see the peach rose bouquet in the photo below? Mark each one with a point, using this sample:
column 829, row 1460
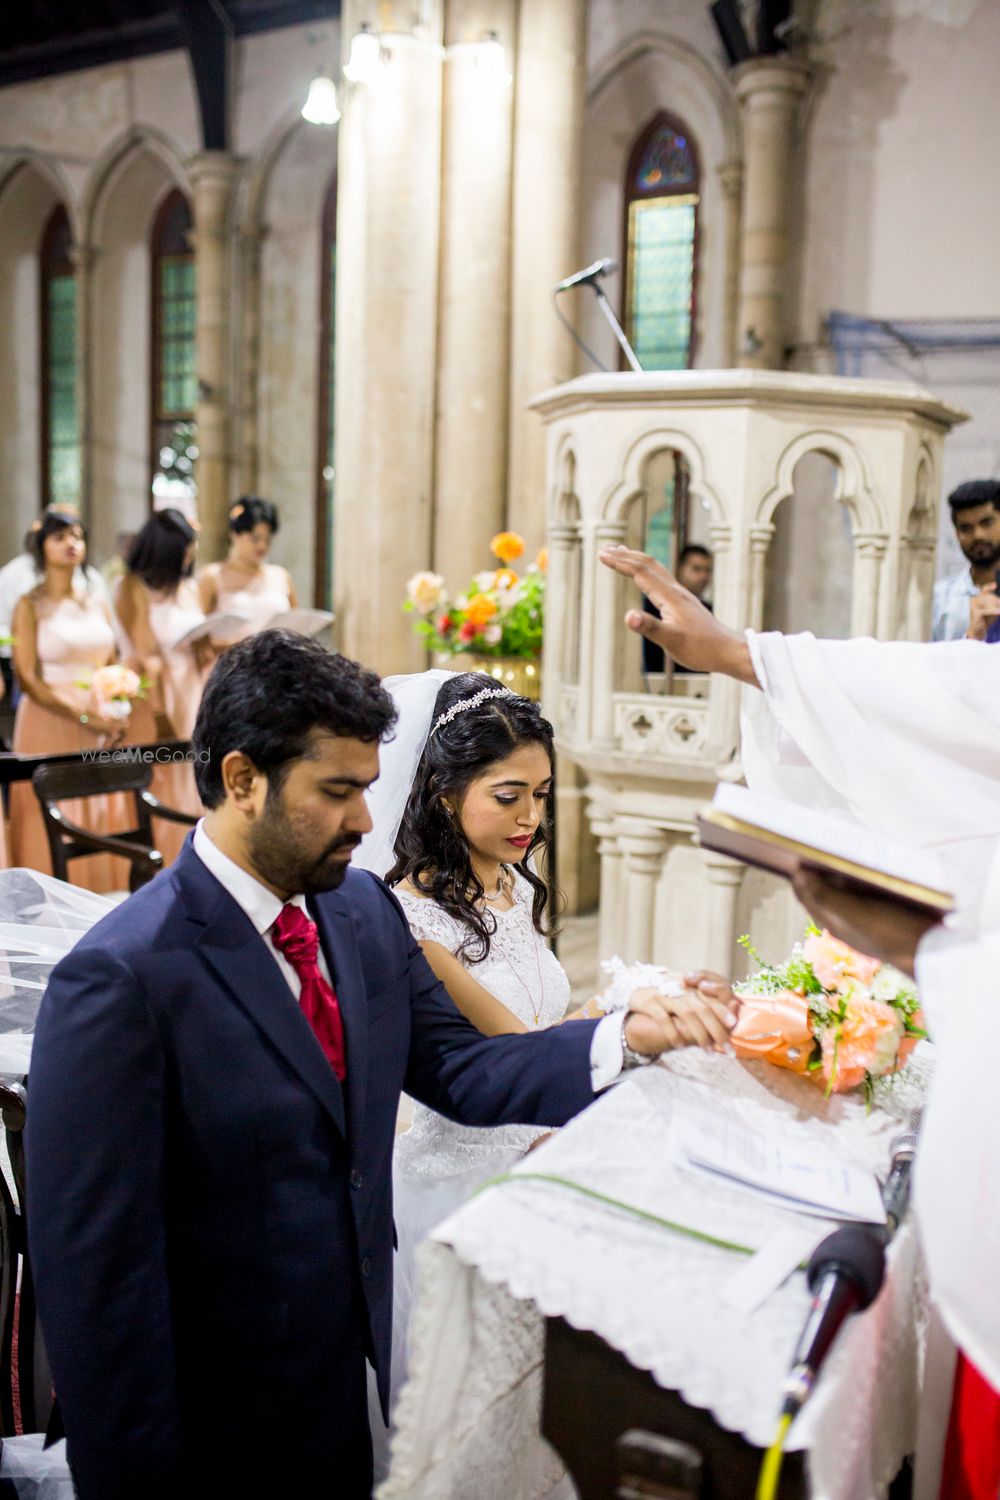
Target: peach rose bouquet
column 830, row 1013
column 113, row 690
column 501, row 613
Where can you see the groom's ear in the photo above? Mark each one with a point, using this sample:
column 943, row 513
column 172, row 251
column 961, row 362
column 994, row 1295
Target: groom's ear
column 241, row 781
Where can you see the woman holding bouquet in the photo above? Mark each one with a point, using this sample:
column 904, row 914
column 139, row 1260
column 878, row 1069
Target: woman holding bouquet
column 62, row 636
column 157, row 604
column 459, row 816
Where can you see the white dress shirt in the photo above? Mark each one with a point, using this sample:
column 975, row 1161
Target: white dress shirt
column 262, row 907
column 952, row 602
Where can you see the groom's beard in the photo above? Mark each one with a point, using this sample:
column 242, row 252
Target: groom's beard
column 278, row 855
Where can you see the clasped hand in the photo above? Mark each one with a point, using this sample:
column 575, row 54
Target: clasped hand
column 703, row 1015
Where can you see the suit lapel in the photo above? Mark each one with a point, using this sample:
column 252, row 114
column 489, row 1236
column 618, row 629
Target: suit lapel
column 241, row 960
column 339, row 938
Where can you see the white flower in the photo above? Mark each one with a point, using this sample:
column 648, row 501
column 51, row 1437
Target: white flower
column 493, row 635
column 507, row 598
column 484, row 581
column 426, row 592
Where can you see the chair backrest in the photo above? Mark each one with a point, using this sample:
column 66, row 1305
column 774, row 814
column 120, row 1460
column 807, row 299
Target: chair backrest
column 58, row 783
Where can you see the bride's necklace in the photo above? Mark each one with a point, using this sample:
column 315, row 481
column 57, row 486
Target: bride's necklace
column 501, row 889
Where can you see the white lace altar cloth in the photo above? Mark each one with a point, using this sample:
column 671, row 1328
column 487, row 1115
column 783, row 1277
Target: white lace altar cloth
column 467, row 1421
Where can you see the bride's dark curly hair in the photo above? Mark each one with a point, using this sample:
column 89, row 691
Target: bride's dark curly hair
column 431, row 850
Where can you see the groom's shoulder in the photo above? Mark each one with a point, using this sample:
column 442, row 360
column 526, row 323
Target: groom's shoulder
column 369, row 901
column 140, row 925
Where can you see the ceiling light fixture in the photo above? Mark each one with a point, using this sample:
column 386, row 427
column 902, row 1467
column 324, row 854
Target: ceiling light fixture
column 321, row 106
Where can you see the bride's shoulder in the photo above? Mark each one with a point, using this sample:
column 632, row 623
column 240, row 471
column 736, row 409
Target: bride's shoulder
column 428, row 921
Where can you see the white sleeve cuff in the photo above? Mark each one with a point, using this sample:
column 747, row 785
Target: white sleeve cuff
column 606, row 1051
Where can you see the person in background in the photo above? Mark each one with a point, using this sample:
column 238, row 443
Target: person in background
column 62, row 634
column 18, row 577
column 967, row 603
column 694, row 573
column 157, row 604
column 246, row 583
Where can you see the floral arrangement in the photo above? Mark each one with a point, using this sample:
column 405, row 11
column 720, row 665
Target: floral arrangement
column 830, row 1013
column 113, row 690
column 501, row 613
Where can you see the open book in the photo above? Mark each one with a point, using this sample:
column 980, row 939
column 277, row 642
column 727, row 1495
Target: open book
column 301, row 621
column 226, row 625
column 778, row 836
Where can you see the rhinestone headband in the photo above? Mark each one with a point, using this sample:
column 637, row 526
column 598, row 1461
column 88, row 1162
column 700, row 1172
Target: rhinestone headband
column 466, row 703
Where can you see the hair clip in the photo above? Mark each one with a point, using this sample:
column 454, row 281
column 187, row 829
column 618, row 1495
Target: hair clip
column 236, row 510
column 464, row 704
column 35, row 526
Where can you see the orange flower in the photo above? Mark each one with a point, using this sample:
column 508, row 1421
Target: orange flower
column 480, row 611
column 542, row 560
column 866, row 1041
column 507, row 545
column 505, row 578
column 836, row 966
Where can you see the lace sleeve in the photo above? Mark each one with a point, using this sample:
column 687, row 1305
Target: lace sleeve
column 428, row 922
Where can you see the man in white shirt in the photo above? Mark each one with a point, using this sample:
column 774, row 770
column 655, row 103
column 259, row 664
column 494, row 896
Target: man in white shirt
column 967, row 603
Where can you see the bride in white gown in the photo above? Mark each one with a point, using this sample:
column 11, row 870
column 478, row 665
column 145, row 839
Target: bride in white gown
column 459, row 815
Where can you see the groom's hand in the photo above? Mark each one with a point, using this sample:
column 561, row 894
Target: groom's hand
column 686, row 630
column 703, row 1015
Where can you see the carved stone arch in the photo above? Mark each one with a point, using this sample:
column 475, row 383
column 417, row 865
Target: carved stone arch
column 623, row 494
column 854, row 482
column 711, row 80
column 914, row 594
column 565, row 509
column 115, row 160
column 12, row 164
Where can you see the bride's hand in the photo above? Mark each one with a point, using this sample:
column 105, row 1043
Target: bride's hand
column 590, row 1012
column 701, row 1016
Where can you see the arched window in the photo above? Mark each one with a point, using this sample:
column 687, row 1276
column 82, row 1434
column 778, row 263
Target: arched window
column 60, row 435
column 173, row 382
column 327, row 393
column 661, row 242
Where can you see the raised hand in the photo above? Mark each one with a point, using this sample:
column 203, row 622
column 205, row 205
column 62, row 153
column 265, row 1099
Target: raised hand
column 686, row 630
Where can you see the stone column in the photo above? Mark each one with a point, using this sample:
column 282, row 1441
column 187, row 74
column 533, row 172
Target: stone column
column 606, row 638
column 474, row 318
column 83, row 261
column 389, row 166
column 549, row 82
column 213, row 175
column 769, row 90
column 760, row 542
column 643, row 848
column 604, row 829
column 731, row 180
column 869, row 551
column 725, row 876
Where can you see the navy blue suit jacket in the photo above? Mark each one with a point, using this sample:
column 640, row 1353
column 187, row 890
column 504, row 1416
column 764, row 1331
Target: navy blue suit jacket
column 210, row 1211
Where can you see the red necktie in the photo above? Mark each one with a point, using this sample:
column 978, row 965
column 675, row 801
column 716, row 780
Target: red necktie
column 295, row 935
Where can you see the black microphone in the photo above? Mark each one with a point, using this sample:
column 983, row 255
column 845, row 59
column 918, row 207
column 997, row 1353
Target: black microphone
column 844, row 1275
column 896, row 1190
column 600, row 268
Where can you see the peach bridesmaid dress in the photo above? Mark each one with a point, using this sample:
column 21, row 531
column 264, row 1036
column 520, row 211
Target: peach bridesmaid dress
column 267, row 596
column 170, row 617
column 74, row 637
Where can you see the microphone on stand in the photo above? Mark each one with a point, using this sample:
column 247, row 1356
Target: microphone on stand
column 845, row 1275
column 896, row 1190
column 603, row 267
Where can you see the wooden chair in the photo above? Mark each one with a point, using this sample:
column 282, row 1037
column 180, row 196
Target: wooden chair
column 55, row 783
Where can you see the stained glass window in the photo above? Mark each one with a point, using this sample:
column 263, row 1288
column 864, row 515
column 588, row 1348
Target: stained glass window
column 327, row 395
column 662, row 218
column 60, row 456
column 174, row 381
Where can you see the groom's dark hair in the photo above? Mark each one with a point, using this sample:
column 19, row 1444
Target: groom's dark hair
column 267, row 694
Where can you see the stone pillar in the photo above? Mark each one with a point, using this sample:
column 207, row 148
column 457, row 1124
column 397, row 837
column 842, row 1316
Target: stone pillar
column 760, row 542
column 769, row 90
column 213, row 174
column 606, row 638
column 548, row 133
column 474, row 318
column 560, row 625
column 83, row 261
column 389, row 166
column 604, row 829
column 643, row 848
column 869, row 551
column 725, row 876
column 731, row 180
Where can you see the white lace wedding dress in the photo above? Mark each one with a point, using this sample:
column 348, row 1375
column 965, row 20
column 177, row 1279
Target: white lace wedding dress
column 438, row 1164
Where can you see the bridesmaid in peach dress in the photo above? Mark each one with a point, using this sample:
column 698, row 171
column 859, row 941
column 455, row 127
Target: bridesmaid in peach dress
column 246, row 583
column 62, row 634
column 157, row 603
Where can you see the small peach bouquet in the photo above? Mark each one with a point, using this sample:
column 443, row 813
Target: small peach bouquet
column 501, row 613
column 113, row 690
column 832, row 1014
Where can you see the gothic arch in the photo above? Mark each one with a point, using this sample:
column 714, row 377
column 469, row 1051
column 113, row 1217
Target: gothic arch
column 115, row 161
column 622, row 496
column 854, row 482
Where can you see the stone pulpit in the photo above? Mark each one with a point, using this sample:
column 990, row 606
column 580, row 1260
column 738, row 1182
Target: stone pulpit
column 818, row 497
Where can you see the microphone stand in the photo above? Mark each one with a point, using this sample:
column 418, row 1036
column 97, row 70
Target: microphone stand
column 616, row 328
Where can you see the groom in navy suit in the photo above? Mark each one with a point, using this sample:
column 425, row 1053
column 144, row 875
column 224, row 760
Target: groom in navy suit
column 213, row 1095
